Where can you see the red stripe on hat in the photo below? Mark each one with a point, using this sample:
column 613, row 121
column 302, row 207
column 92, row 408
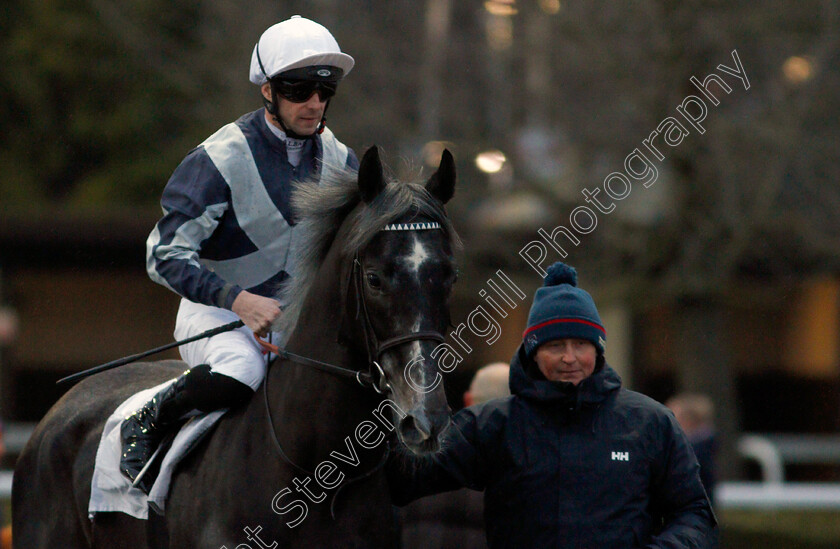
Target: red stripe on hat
column 556, row 320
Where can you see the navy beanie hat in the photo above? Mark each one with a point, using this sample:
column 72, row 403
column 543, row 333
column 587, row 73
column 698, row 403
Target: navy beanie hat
column 562, row 310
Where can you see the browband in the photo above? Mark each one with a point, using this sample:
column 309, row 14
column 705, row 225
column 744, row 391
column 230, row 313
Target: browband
column 412, row 226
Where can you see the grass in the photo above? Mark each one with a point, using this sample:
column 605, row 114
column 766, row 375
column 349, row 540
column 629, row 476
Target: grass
column 789, row 529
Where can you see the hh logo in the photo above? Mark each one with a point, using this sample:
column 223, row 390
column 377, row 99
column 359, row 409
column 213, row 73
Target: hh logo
column 621, row 456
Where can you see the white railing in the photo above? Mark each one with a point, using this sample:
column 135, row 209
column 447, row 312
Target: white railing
column 772, row 452
column 5, row 484
column 769, row 495
column 15, row 435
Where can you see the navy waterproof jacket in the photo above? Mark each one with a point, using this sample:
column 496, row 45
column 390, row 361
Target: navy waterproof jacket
column 592, row 466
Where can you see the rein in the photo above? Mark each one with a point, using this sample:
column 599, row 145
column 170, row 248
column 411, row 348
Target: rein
column 363, row 378
column 299, row 469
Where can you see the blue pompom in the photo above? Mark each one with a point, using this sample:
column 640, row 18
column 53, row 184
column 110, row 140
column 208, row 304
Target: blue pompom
column 560, row 273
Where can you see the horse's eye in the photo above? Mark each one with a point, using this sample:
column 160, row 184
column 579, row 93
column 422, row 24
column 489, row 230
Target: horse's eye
column 374, row 281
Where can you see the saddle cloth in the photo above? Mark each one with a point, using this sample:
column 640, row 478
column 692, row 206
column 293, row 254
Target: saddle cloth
column 111, row 491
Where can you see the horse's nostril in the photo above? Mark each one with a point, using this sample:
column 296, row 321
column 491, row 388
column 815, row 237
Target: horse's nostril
column 414, row 430
column 407, row 424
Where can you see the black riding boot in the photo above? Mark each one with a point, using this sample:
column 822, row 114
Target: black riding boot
column 196, row 389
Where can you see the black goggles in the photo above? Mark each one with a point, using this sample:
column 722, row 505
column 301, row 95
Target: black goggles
column 298, row 85
column 299, row 91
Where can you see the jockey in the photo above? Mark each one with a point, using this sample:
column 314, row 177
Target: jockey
column 227, row 241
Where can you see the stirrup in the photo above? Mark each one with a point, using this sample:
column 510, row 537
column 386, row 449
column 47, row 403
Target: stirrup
column 143, row 482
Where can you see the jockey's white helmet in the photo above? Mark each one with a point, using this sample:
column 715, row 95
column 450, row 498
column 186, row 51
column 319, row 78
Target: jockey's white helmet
column 294, row 43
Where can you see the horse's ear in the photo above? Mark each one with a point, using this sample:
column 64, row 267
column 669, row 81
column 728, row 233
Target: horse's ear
column 371, row 179
column 442, row 183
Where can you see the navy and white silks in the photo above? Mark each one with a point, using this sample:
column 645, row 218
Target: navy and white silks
column 228, row 227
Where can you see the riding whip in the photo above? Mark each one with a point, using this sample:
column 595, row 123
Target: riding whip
column 125, row 360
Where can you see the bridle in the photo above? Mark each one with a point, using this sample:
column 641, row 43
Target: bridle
column 375, row 348
column 375, row 377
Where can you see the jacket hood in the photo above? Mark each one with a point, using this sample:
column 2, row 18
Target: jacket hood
column 591, row 390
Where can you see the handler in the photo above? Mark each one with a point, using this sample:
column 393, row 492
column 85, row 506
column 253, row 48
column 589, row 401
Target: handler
column 571, row 459
column 226, row 242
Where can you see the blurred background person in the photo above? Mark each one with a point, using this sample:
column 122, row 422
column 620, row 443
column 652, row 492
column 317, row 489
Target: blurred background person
column 695, row 414
column 489, row 382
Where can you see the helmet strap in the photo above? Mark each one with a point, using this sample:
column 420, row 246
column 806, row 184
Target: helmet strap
column 270, row 105
column 323, row 125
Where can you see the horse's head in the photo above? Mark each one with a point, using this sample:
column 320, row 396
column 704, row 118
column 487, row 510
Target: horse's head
column 401, row 282
column 374, row 276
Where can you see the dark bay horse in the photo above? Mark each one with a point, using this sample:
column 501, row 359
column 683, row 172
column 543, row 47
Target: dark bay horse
column 300, row 464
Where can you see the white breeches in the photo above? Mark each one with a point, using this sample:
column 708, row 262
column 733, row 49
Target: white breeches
column 234, row 353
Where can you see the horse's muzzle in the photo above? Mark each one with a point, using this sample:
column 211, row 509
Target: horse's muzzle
column 420, row 433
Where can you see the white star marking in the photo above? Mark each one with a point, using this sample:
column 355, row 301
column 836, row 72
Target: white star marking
column 418, row 256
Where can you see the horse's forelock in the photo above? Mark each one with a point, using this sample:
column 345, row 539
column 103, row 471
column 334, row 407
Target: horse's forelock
column 399, row 200
column 322, row 209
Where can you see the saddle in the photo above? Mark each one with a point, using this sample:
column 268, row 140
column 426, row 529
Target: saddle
column 111, row 491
